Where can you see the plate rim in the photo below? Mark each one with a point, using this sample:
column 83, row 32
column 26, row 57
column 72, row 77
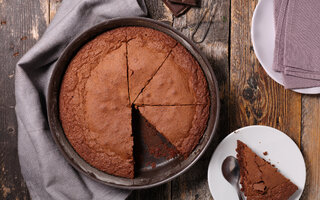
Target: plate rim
column 253, row 22
column 249, row 127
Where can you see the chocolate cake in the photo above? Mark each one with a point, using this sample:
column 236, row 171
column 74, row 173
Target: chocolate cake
column 259, row 179
column 108, row 74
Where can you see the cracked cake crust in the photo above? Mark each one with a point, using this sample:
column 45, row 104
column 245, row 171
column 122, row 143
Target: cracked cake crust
column 179, row 81
column 84, row 101
column 155, row 47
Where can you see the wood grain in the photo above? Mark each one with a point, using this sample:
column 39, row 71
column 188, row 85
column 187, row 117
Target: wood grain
column 156, row 10
column 254, row 97
column 22, row 24
column 193, row 184
column 53, row 7
column 311, row 145
column 248, row 96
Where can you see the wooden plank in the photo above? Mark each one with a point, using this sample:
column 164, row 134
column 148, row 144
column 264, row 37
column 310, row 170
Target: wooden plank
column 53, row 7
column 193, row 184
column 156, row 10
column 254, row 97
column 161, row 192
column 311, row 145
column 18, row 33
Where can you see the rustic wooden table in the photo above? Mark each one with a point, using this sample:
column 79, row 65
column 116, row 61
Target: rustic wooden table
column 248, row 95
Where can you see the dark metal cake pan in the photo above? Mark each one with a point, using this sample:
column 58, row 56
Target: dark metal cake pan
column 165, row 170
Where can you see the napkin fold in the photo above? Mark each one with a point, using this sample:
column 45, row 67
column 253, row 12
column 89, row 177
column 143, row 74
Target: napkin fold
column 46, row 172
column 297, row 42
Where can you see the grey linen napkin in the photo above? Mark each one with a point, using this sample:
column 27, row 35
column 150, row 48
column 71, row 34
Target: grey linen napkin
column 297, row 44
column 47, row 174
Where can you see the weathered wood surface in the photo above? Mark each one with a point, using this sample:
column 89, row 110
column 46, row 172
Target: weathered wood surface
column 22, row 23
column 256, row 99
column 248, row 95
column 193, row 184
column 310, row 144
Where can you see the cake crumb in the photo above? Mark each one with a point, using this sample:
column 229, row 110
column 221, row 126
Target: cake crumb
column 23, row 38
column 11, row 75
column 153, row 165
column 6, row 191
column 265, row 153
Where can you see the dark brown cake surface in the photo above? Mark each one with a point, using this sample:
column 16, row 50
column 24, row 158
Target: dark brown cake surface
column 259, row 179
column 116, row 67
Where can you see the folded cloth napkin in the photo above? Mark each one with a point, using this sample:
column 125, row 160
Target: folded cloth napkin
column 297, row 43
column 47, row 174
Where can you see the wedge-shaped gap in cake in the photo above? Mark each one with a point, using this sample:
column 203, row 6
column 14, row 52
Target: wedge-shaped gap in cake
column 151, row 149
column 182, row 126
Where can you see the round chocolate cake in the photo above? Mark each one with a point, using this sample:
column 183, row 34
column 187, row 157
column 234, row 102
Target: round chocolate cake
column 126, row 69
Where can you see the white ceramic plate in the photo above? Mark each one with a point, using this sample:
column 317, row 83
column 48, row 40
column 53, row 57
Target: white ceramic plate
column 282, row 152
column 263, row 37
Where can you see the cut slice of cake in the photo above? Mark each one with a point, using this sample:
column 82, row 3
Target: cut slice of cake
column 259, row 179
column 147, row 50
column 179, row 81
column 182, row 126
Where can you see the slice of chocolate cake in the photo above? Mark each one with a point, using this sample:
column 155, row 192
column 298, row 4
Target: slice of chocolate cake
column 259, row 179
